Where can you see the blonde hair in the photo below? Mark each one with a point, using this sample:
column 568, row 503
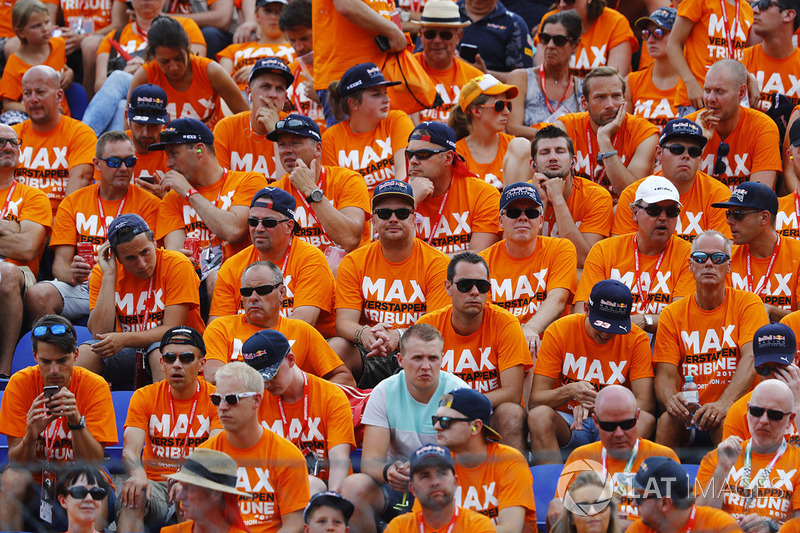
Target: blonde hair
column 249, row 376
column 21, row 14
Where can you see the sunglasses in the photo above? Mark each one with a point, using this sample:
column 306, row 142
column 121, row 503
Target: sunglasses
column 515, row 212
column 445, row 421
column 763, row 5
column 79, row 492
column 657, row 34
column 679, row 149
column 558, row 40
column 612, row 426
column 116, row 162
column 593, row 508
column 465, row 285
column 290, row 124
column 499, row 105
column 54, row 329
column 384, row 213
column 720, row 167
column 654, row 210
column 766, row 370
column 424, row 153
column 185, row 357
column 772, row 414
column 717, row 257
column 230, row 399
column 446, row 35
column 253, row 222
column 13, row 142
column 261, row 290
column 738, row 215
column 638, row 498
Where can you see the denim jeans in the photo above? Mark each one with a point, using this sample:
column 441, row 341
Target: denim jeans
column 106, row 111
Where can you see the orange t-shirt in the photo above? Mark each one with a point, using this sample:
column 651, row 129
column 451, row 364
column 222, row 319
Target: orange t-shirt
column 149, row 164
column 492, row 172
column 46, row 157
column 650, row 102
column 173, row 282
column 448, row 84
column 696, row 216
column 590, row 205
column 754, row 146
column 5, row 16
column 774, row 76
column 614, row 259
column 736, row 421
column 466, row 520
column 188, row 527
column 791, row 526
column 370, row 153
column 480, row 358
column 392, row 293
column 633, row 132
column 470, row 206
column 344, row 188
column 238, row 147
column 328, row 422
column 89, row 15
column 200, row 101
column 246, row 54
column 567, row 354
column 626, row 507
column 11, row 82
column 296, row 94
column 131, row 39
column 233, row 188
column 26, row 203
column 520, row 285
column 706, row 519
column 776, row 497
column 708, row 40
column 169, row 442
column 706, row 343
column 782, row 289
column 225, row 335
column 275, row 471
column 787, row 221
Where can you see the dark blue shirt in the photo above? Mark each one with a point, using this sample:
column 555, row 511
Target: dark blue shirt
column 502, row 38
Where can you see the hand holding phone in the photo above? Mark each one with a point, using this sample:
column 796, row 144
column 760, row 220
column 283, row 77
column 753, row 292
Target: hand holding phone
column 468, row 52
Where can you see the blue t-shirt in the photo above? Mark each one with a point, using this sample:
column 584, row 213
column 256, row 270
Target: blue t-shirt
column 502, row 37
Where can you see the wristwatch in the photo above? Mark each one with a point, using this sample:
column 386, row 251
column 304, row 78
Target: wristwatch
column 605, row 155
column 79, row 425
column 316, row 196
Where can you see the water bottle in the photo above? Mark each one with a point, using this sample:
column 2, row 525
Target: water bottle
column 692, row 395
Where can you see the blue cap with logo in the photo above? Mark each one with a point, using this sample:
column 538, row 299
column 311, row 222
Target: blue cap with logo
column 472, row 404
column 436, row 133
column 271, row 65
column 148, row 105
column 663, row 17
column 662, row 477
column 682, row 127
column 363, row 76
column 519, row 191
column 398, row 188
column 297, row 125
column 610, row 304
column 774, row 343
column 124, row 225
column 751, row 194
column 265, row 351
column 431, row 455
column 275, row 199
column 183, row 131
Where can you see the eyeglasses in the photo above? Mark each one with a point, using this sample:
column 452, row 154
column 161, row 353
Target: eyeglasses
column 515, row 212
column 54, row 329
column 290, row 124
column 465, row 285
column 446, row 35
column 115, row 162
column 499, row 105
column 230, row 399
column 79, row 492
column 13, row 142
column 261, row 290
column 679, row 149
column 766, row 370
column 593, row 508
column 738, row 215
column 558, row 40
column 424, row 153
column 612, row 426
column 384, row 213
column 717, row 257
column 253, row 222
column 185, row 357
column 657, row 34
column 763, row 5
column 772, row 414
column 445, row 421
column 720, row 167
column 654, row 210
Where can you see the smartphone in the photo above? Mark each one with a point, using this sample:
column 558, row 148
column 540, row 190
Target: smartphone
column 468, row 52
column 383, row 42
column 149, row 179
column 49, row 391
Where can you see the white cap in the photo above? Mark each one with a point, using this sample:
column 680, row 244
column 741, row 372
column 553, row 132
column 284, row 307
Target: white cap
column 657, row 189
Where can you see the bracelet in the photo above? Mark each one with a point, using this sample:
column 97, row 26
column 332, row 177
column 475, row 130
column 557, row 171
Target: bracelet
column 357, row 335
column 191, row 192
column 385, row 470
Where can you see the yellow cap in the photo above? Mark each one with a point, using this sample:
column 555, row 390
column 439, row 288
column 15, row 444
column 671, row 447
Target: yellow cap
column 486, row 84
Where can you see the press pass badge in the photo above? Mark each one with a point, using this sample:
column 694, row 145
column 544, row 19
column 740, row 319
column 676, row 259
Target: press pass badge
column 48, row 496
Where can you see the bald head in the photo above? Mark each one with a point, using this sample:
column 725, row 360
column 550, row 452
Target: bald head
column 41, row 96
column 773, row 394
column 42, row 74
column 616, row 397
column 730, row 69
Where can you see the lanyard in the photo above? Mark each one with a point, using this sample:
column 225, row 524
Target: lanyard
column 544, row 91
column 221, row 186
column 762, row 476
column 797, row 210
column 421, row 520
column 644, row 296
column 690, row 523
column 142, row 326
column 191, row 418
column 592, row 161
column 759, row 289
column 102, row 211
column 435, row 227
column 628, row 465
column 305, row 412
column 286, row 259
column 310, row 207
column 8, row 200
column 50, row 438
column 730, row 34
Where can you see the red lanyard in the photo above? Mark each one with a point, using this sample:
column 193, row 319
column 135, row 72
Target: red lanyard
column 191, row 418
column 592, row 161
column 797, row 210
column 50, row 438
column 102, row 211
column 690, row 523
column 730, row 34
column 286, row 259
column 142, row 326
column 435, row 227
column 644, row 296
column 8, row 200
column 544, row 91
column 421, row 520
column 305, row 413
column 759, row 289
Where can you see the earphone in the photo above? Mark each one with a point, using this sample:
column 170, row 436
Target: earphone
column 474, row 428
column 199, row 150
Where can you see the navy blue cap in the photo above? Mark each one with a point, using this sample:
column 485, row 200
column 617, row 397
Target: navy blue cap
column 183, row 335
column 397, row 188
column 272, row 65
column 662, row 477
column 663, row 17
column 472, row 404
column 519, row 191
column 275, row 199
column 610, row 304
column 774, row 343
column 262, row 3
column 297, row 125
column 148, row 105
column 363, row 76
column 265, row 351
column 752, row 194
column 329, row 498
column 794, row 133
column 682, row 127
column 128, row 224
column 183, row 131
column 431, row 454
column 436, row 133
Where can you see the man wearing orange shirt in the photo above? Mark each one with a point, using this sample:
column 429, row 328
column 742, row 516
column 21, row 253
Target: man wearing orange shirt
column 147, row 117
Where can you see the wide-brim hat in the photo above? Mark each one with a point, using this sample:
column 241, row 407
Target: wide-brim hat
column 210, row 469
column 442, row 13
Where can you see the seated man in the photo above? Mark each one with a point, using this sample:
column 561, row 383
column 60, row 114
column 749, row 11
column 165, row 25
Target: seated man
column 147, row 118
column 136, row 293
column 73, row 420
column 580, row 354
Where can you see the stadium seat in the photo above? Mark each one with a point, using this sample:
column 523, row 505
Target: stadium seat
column 692, row 470
column 121, row 401
column 545, row 481
column 23, row 354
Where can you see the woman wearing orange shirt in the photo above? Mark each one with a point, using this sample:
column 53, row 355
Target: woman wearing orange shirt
column 479, row 121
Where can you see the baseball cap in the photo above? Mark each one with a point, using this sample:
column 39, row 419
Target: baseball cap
column 431, row 454
column 397, row 188
column 610, row 305
column 662, row 477
column 265, row 351
column 442, row 13
column 329, row 498
column 774, row 343
column 472, row 404
column 434, row 132
column 183, row 335
column 682, row 127
column 297, row 125
column 148, row 105
column 519, row 191
column 363, row 76
column 261, row 3
column 271, row 65
column 794, row 133
column 663, row 17
column 486, row 84
column 128, row 224
column 655, row 189
column 183, row 131
column 754, row 195
column 275, row 199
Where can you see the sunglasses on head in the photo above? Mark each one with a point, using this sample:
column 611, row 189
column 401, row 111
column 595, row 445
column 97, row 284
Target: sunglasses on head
column 499, row 105
column 290, row 124
column 720, row 167
column 763, row 5
column 766, row 370
column 717, row 257
column 79, row 492
column 445, row 421
column 446, row 35
column 402, row 213
column 424, row 153
column 54, row 329
column 465, row 285
column 261, row 290
column 558, row 40
column 253, row 222
column 679, row 149
column 739, row 214
column 657, row 34
column 612, row 426
column 772, row 414
column 116, row 162
column 654, row 210
column 230, row 399
column 7, row 140
column 185, row 357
